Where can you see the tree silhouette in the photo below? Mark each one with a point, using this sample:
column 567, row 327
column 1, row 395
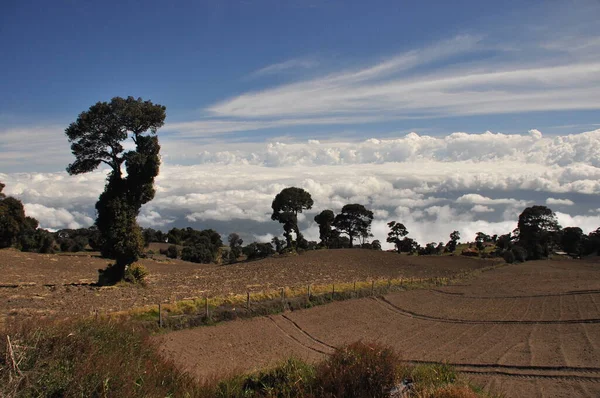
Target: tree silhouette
column 397, row 231
column 96, row 138
column 354, row 220
column 537, row 231
column 286, row 206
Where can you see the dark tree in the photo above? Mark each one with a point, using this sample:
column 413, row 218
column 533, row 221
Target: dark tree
column 278, row 243
column 376, row 245
column 96, row 138
column 538, row 229
column 408, row 245
column 235, row 246
column 16, row 229
column 286, row 206
column 354, row 221
column 325, row 221
column 572, row 240
column 451, row 245
column 480, row 239
column 397, row 231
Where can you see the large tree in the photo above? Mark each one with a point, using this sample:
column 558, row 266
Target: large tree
column 14, row 224
column 397, row 231
column 537, row 231
column 286, row 206
column 354, row 220
column 325, row 221
column 97, row 138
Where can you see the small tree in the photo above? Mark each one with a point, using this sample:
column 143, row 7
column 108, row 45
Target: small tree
column 278, row 243
column 397, row 231
column 480, row 239
column 572, row 240
column 454, row 238
column 354, row 220
column 286, row 206
column 325, row 221
column 235, row 246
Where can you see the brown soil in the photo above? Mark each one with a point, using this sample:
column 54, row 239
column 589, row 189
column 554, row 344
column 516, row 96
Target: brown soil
column 527, row 330
column 44, row 284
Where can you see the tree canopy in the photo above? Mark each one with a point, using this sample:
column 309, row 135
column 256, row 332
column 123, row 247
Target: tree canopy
column 397, row 231
column 325, row 221
column 537, row 231
column 354, row 220
column 96, row 138
column 286, row 206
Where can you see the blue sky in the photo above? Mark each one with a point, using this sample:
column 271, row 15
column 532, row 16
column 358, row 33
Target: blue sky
column 63, row 56
column 437, row 113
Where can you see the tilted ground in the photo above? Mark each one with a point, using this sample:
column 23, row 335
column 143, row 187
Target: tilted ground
column 527, row 330
column 48, row 284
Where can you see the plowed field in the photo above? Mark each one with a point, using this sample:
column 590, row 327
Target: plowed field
column 527, row 330
column 44, row 284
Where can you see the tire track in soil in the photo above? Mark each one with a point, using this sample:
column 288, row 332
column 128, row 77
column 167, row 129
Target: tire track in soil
column 296, row 340
column 585, row 329
column 585, row 373
column 569, row 293
column 412, row 314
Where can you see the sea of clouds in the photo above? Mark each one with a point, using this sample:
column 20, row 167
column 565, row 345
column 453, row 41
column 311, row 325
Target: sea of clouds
column 434, row 185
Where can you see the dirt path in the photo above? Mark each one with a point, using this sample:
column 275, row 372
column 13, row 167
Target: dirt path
column 528, row 330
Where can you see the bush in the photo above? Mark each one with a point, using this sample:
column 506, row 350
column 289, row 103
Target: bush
column 293, row 378
column 519, row 253
column 136, row 273
column 198, row 253
column 358, row 370
column 255, row 251
column 509, row 256
column 172, row 251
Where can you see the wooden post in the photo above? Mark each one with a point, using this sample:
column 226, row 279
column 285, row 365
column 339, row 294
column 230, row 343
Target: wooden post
column 160, row 320
column 372, row 288
column 283, row 298
column 206, row 306
column 332, row 291
column 308, row 293
column 248, row 301
column 354, row 288
column 389, row 283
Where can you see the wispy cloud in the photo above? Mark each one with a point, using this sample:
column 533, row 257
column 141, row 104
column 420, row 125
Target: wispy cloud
column 286, row 66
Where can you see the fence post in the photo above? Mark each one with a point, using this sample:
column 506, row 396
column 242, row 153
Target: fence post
column 332, row 291
column 206, row 307
column 160, row 320
column 283, row 298
column 308, row 293
column 354, row 288
column 372, row 287
column 389, row 283
column 248, row 301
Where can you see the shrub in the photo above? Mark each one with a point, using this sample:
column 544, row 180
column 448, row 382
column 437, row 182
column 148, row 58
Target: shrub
column 136, row 273
column 172, row 251
column 509, row 256
column 198, row 253
column 358, row 370
column 293, row 378
column 519, row 253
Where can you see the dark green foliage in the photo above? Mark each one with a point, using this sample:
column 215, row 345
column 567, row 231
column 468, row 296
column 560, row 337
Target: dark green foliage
column 358, row 370
column 354, row 221
column 451, row 245
column 172, row 251
column 254, row 251
column 199, row 252
column 336, row 241
column 397, row 231
column 152, row 235
column 408, row 245
column 13, row 222
column 38, row 241
column 572, row 240
column 75, row 240
column 480, row 239
column 96, row 137
column 519, row 253
column 136, row 273
column 235, row 246
column 325, row 221
column 591, row 244
column 538, row 231
column 286, row 206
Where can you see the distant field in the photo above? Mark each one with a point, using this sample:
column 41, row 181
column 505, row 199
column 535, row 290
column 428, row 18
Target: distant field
column 45, row 284
column 527, row 330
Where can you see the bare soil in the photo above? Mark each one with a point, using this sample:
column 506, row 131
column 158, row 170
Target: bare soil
column 525, row 330
column 63, row 285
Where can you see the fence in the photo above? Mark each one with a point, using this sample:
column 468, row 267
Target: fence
column 209, row 310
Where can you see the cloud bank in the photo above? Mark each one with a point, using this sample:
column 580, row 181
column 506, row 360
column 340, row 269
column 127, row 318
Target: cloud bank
column 434, row 185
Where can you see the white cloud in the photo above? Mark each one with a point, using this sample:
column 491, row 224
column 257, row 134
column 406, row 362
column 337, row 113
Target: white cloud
column 59, row 218
column 481, row 209
column 296, row 63
column 482, row 200
column 559, row 202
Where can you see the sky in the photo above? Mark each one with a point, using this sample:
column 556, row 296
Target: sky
column 441, row 115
